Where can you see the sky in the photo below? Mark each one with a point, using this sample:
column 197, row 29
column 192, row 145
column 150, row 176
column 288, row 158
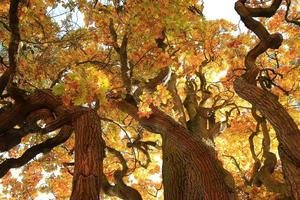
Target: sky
column 223, row 9
column 217, row 9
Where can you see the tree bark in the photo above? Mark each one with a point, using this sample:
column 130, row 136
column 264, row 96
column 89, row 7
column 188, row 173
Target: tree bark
column 180, row 177
column 267, row 103
column 89, row 153
column 203, row 176
column 286, row 130
column 181, row 174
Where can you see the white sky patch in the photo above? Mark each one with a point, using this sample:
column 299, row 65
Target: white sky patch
column 17, row 173
column 155, row 177
column 60, row 13
column 221, row 9
column 44, row 196
column 220, row 75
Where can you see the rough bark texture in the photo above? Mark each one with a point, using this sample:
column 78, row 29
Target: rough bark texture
column 268, row 105
column 286, row 129
column 291, row 173
column 180, row 176
column 87, row 178
column 209, row 174
column 180, row 173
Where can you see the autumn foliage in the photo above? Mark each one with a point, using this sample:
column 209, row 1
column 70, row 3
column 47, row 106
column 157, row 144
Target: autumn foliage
column 139, row 99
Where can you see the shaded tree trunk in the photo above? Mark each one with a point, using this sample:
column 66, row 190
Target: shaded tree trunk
column 180, row 173
column 183, row 175
column 89, row 153
column 267, row 103
column 286, row 130
column 180, row 177
column 202, row 177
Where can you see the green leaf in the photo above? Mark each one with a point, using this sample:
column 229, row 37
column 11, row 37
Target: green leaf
column 58, row 89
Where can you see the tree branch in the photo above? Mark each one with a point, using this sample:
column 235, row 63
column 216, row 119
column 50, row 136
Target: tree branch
column 29, row 154
column 120, row 189
column 293, row 21
column 122, row 52
column 13, row 44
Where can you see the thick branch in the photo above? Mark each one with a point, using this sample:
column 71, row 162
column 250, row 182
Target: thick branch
column 29, row 154
column 36, row 101
column 265, row 12
column 13, row 44
column 120, row 189
column 266, row 39
column 13, row 137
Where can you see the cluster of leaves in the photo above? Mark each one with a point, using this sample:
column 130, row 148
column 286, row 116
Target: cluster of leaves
column 158, row 98
column 81, row 65
column 82, row 87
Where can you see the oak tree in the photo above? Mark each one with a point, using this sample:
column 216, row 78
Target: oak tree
column 148, row 100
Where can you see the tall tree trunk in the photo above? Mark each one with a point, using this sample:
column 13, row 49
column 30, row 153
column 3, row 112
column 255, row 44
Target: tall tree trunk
column 89, row 153
column 189, row 165
column 267, row 103
column 286, row 129
column 180, row 177
column 186, row 173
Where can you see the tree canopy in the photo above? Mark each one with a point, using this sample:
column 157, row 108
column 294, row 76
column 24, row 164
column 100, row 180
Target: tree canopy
column 140, row 99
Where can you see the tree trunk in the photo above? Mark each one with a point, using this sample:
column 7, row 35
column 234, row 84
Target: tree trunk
column 87, row 178
column 189, row 165
column 180, row 177
column 267, row 103
column 286, row 129
column 291, row 174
